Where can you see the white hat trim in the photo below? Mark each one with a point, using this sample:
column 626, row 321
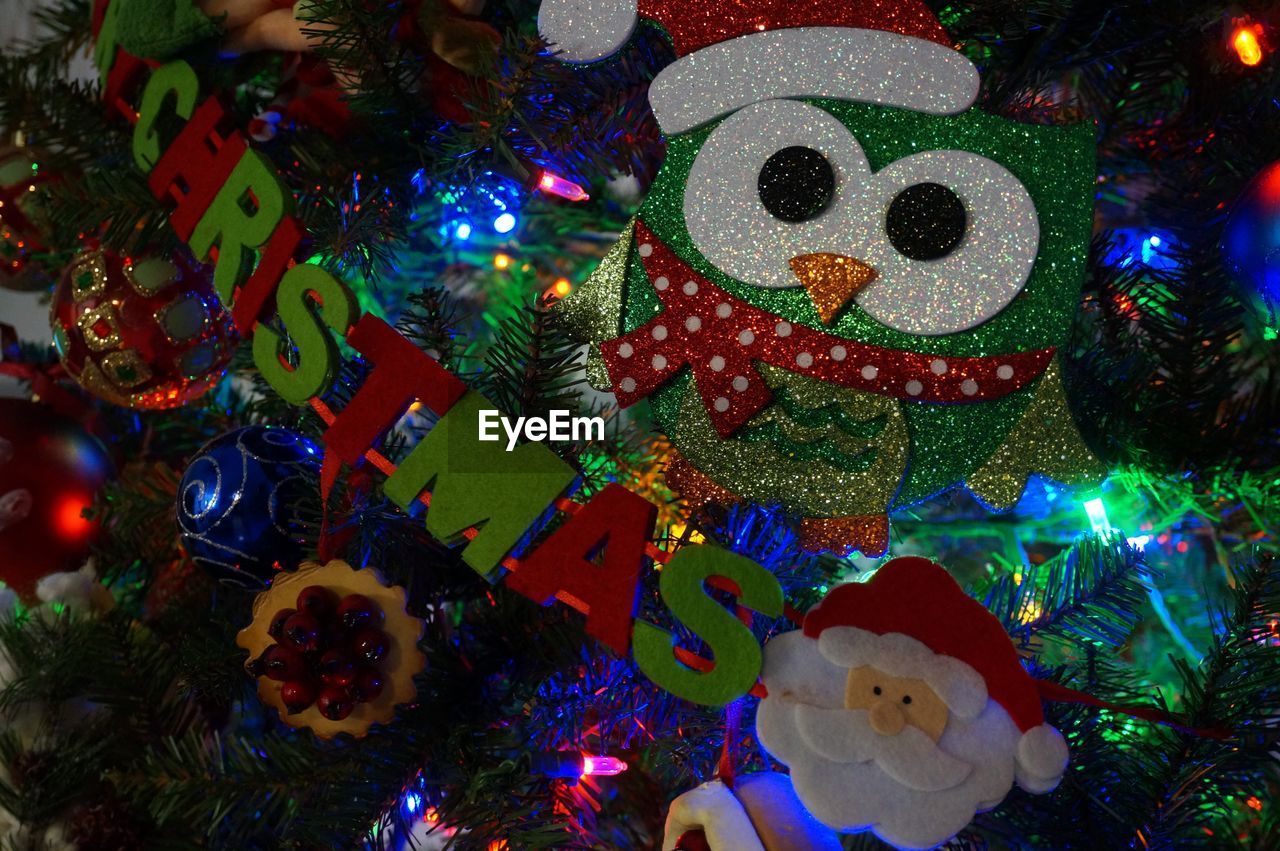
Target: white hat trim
column 870, row 66
column 713, row 808
column 587, row 30
column 959, row 685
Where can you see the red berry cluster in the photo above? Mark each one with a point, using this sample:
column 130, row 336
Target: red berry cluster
column 327, row 652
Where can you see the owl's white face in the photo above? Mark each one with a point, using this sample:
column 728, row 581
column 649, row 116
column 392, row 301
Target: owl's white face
column 934, row 274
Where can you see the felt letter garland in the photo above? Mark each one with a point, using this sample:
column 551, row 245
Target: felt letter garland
column 478, row 484
column 240, row 220
column 309, row 298
column 195, row 166
column 401, row 374
column 176, row 83
column 256, row 299
column 736, row 651
column 614, row 526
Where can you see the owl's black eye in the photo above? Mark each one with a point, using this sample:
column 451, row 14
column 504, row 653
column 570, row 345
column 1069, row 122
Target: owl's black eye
column 876, row 690
column 926, row 221
column 796, row 184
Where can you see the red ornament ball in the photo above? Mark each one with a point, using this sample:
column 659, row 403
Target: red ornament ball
column 317, row 600
column 335, row 703
column 24, row 257
column 370, row 645
column 368, row 685
column 50, row 471
column 356, row 612
column 298, row 695
column 337, row 668
column 143, row 332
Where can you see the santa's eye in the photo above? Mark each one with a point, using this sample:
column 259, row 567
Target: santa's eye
column 876, row 691
column 926, row 221
column 906, row 698
column 796, row 184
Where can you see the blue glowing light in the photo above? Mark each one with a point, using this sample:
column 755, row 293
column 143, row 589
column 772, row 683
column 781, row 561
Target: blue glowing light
column 505, row 223
column 1143, row 247
column 412, row 803
column 463, row 232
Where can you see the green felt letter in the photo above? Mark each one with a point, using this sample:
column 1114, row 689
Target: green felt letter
column 308, row 299
column 176, row 80
column 240, row 220
column 736, row 651
column 478, row 484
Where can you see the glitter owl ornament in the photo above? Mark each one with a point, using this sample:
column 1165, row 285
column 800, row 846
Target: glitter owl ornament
column 846, row 288
column 146, row 332
column 239, row 504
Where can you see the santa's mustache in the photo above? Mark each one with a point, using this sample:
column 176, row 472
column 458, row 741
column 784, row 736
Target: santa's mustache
column 909, row 757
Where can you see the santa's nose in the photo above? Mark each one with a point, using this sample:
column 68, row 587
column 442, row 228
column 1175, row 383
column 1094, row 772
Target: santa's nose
column 831, row 280
column 887, row 718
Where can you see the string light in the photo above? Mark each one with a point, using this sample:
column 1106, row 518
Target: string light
column 1245, row 41
column 1097, row 513
column 602, row 766
column 504, row 223
column 554, row 184
column 562, row 287
column 571, row 765
column 502, row 262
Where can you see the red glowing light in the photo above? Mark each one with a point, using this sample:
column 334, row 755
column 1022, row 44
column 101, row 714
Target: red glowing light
column 1245, row 41
column 602, row 766
column 69, row 517
column 553, row 184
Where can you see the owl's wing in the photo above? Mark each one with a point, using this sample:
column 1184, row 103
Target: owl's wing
column 1045, row 441
column 592, row 313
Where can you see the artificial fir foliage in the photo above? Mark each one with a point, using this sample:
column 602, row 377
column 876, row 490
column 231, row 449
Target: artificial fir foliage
column 134, row 725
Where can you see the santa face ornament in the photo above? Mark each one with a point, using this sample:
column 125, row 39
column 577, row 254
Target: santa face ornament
column 901, row 707
column 846, row 289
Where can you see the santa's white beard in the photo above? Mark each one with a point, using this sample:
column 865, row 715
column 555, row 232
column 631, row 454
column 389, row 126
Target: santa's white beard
column 929, row 792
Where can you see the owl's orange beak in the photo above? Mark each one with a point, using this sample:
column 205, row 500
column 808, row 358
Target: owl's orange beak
column 831, row 280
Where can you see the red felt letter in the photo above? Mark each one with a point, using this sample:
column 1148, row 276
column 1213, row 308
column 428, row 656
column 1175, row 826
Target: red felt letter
column 615, row 524
column 256, row 298
column 197, row 163
column 401, row 374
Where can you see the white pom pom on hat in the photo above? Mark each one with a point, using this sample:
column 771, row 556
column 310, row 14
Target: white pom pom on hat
column 587, row 30
column 1041, row 759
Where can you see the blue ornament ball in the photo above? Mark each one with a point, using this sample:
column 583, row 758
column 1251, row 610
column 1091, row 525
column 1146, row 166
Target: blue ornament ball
column 238, row 504
column 1251, row 244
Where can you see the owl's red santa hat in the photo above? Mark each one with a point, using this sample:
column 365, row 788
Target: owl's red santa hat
column 913, row 620
column 732, row 54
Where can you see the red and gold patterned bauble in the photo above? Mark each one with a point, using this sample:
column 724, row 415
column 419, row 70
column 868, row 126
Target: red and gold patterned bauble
column 23, row 254
column 50, row 471
column 144, row 332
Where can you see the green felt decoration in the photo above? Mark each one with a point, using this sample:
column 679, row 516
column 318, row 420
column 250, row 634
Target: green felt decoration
column 308, row 300
column 478, row 483
column 240, row 220
column 175, row 84
column 734, row 648
column 160, row 29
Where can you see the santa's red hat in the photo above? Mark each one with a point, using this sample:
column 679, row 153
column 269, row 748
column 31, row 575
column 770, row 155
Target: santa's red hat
column 732, row 53
column 913, row 619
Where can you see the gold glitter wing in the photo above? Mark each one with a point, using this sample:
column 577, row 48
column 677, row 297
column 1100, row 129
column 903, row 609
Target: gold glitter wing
column 1044, row 441
column 593, row 311
column 820, row 450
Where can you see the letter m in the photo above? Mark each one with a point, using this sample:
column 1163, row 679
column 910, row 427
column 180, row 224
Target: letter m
column 474, row 483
